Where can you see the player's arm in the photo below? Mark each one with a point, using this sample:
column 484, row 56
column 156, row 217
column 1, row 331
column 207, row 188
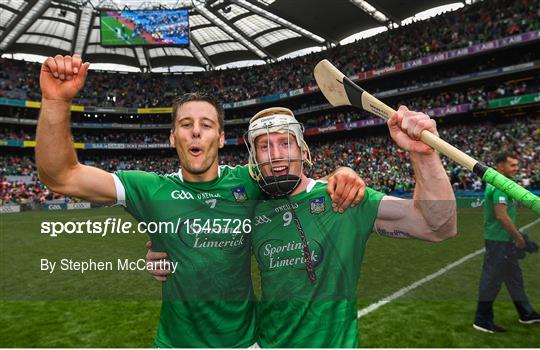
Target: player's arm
column 156, row 259
column 61, row 78
column 506, row 222
column 431, row 214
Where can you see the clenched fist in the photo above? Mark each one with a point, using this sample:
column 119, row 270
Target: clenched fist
column 406, row 129
column 62, row 77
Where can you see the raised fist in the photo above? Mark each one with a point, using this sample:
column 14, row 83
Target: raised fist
column 62, row 77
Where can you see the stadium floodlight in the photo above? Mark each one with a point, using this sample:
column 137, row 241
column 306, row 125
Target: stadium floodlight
column 341, row 91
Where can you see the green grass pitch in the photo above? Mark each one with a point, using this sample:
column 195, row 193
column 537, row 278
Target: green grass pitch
column 108, row 35
column 121, row 309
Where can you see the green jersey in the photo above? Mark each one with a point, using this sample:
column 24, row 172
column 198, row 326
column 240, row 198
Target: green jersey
column 295, row 312
column 493, row 229
column 205, row 227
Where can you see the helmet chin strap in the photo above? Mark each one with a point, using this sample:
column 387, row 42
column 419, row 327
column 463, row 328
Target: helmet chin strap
column 279, row 186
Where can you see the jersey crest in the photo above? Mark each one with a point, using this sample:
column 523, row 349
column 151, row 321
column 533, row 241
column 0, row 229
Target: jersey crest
column 316, row 205
column 239, row 194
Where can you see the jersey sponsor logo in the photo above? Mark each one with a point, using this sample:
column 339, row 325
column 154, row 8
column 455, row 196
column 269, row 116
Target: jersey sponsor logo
column 286, row 207
column 181, row 194
column 208, row 195
column 239, row 194
column 316, row 205
column 262, row 219
column 276, row 253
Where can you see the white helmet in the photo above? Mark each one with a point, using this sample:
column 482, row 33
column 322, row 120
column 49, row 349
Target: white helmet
column 275, row 120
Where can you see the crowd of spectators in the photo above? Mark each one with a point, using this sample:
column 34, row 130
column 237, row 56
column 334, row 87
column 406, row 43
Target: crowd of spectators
column 20, row 184
column 99, row 136
column 388, row 169
column 376, row 158
column 18, row 191
column 477, row 96
column 479, row 22
column 15, row 165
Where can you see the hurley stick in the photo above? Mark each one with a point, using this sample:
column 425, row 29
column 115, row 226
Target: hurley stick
column 341, row 91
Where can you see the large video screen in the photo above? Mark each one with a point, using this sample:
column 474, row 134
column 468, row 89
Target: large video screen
column 144, row 28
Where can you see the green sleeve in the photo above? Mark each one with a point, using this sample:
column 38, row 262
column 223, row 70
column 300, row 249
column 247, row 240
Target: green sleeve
column 366, row 211
column 138, row 187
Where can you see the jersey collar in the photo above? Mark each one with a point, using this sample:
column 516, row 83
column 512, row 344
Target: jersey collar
column 181, row 177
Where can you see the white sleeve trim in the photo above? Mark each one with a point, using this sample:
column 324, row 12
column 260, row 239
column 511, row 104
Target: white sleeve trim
column 120, row 191
column 312, row 184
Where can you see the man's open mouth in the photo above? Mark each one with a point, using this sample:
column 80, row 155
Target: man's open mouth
column 195, row 151
column 280, row 170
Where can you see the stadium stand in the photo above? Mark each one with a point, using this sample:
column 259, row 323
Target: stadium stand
column 475, row 70
column 478, row 96
column 477, row 23
column 374, row 157
column 474, row 82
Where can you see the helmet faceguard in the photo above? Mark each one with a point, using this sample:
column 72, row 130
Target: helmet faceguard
column 276, row 120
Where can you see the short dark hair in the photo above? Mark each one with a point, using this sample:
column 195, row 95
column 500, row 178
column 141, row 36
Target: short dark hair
column 198, row 96
column 503, row 157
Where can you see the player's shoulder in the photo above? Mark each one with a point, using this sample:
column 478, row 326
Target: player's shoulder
column 227, row 170
column 238, row 179
column 144, row 174
column 238, row 173
column 320, row 187
column 493, row 193
column 489, row 188
column 146, row 178
column 317, row 187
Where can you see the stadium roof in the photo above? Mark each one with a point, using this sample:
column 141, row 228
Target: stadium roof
column 222, row 31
